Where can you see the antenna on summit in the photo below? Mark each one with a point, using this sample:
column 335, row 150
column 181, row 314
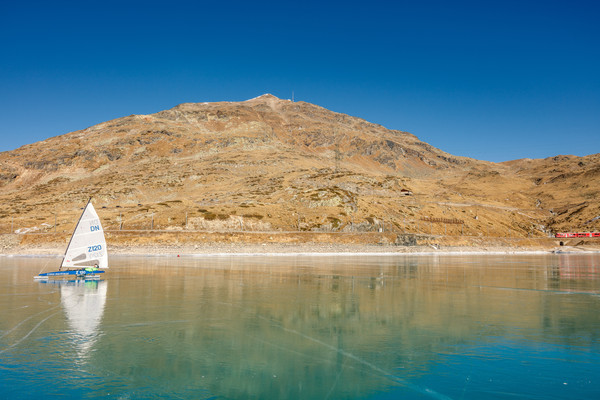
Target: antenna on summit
column 292, row 96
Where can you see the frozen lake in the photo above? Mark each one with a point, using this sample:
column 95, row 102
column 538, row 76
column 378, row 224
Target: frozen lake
column 305, row 327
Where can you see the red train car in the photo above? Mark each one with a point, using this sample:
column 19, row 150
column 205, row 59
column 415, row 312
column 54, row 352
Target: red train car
column 577, row 234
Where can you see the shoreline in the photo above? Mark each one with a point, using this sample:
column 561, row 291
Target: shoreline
column 246, row 244
column 305, row 250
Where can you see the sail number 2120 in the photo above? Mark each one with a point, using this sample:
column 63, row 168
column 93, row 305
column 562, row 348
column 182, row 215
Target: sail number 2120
column 97, row 247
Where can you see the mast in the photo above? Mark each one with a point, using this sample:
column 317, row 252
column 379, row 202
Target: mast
column 73, row 234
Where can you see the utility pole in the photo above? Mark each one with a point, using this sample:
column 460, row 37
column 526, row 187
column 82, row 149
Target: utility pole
column 338, row 153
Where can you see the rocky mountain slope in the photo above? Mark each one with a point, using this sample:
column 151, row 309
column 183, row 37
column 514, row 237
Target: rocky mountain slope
column 268, row 164
column 567, row 186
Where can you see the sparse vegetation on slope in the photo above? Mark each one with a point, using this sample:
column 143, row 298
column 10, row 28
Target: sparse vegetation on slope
column 274, row 165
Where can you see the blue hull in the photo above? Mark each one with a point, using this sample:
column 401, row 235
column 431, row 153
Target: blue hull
column 76, row 273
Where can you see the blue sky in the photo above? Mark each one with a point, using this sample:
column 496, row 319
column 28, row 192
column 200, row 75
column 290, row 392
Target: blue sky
column 492, row 80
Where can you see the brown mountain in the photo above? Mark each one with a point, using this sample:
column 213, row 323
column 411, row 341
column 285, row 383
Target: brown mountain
column 275, row 165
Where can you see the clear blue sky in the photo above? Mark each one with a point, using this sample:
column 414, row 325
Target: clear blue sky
column 492, row 80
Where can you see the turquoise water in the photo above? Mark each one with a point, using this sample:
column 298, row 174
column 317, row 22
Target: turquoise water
column 305, row 327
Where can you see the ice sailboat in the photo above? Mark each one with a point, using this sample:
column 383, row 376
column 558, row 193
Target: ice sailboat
column 86, row 253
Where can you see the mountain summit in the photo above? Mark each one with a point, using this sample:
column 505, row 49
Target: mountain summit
column 273, row 164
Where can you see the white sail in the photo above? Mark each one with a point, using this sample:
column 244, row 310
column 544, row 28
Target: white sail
column 87, row 246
